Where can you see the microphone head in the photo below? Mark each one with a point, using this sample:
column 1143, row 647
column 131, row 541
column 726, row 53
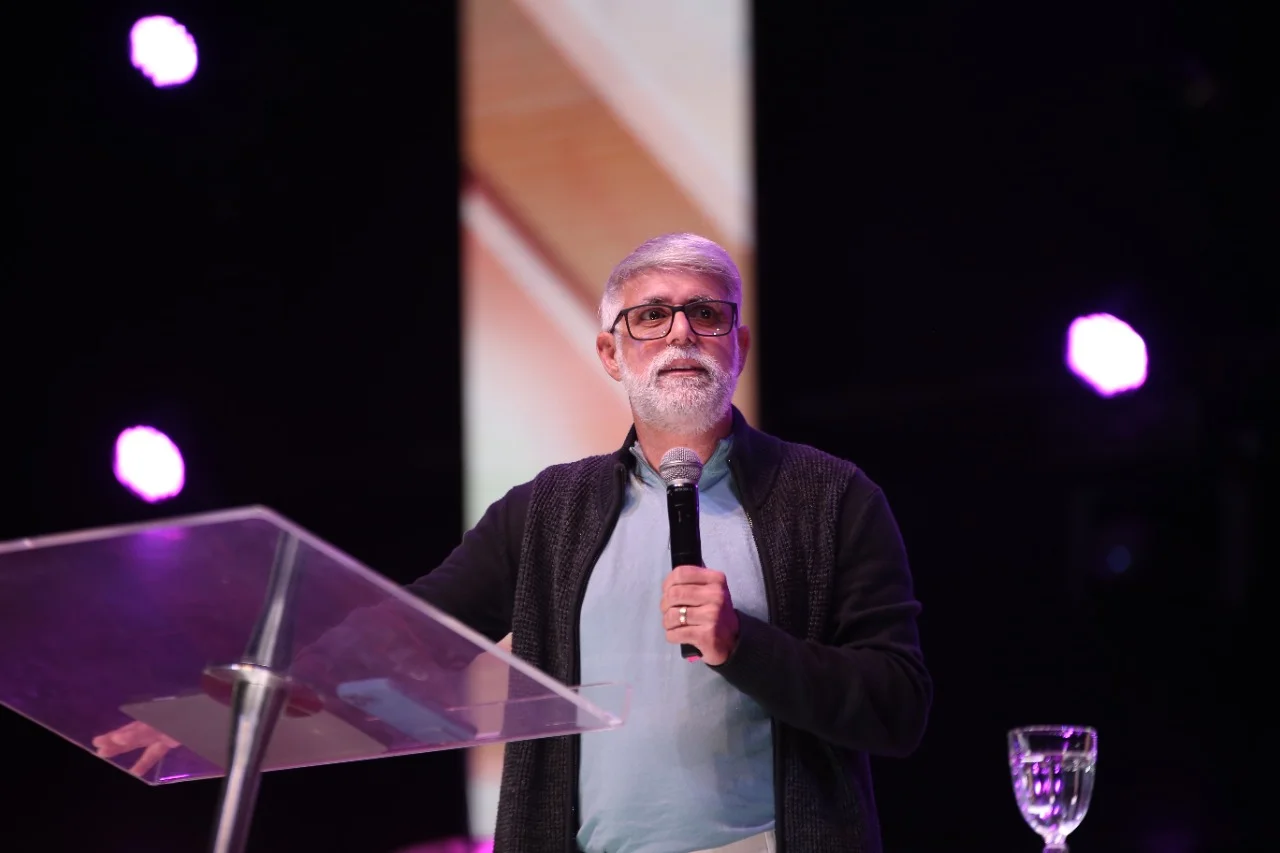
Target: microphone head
column 680, row 465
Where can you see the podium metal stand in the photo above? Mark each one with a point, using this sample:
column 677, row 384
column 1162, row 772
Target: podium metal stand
column 233, row 643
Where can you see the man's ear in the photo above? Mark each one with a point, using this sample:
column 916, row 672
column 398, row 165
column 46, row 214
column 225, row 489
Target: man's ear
column 607, row 349
column 744, row 347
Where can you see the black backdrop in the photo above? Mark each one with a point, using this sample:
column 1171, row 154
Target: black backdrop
column 264, row 264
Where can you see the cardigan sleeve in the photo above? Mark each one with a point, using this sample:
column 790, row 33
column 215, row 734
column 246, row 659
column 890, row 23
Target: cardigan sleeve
column 867, row 687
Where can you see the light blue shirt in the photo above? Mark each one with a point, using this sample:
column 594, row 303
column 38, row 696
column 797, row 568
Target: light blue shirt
column 693, row 766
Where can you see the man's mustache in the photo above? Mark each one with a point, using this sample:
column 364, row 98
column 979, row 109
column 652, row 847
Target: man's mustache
column 674, row 354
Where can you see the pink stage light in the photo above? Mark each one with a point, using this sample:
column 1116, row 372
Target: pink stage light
column 163, row 51
column 1107, row 354
column 149, row 464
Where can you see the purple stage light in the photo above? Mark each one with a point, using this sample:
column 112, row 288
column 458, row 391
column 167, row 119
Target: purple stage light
column 1106, row 353
column 163, row 50
column 149, row 464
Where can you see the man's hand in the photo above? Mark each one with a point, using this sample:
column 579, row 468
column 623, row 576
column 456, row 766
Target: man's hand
column 701, row 597
column 132, row 737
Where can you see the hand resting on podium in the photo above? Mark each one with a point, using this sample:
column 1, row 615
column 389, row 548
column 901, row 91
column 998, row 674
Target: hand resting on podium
column 380, row 648
column 132, row 737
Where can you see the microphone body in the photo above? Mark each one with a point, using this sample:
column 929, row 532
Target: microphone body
column 681, row 469
column 686, row 537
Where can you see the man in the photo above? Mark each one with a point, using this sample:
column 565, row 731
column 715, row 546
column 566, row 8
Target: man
column 804, row 615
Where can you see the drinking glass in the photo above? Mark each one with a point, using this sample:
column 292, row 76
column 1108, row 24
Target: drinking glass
column 1053, row 773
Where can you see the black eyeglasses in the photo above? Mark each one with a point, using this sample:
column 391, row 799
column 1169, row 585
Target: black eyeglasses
column 708, row 318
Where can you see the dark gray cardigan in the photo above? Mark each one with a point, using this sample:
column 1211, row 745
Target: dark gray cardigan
column 838, row 666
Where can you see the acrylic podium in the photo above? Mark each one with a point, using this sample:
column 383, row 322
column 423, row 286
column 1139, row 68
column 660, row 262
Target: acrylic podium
column 232, row 643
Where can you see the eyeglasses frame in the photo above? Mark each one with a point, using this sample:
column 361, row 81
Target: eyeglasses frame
column 677, row 309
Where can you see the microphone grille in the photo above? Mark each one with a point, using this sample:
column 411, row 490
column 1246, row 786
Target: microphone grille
column 680, row 464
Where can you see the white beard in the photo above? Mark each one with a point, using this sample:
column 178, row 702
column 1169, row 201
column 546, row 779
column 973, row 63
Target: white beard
column 680, row 403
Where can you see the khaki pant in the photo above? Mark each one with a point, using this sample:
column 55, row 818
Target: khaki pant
column 762, row 843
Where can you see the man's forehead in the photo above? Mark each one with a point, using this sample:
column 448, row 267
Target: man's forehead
column 672, row 287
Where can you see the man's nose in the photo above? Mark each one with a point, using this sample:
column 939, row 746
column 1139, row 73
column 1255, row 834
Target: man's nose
column 681, row 331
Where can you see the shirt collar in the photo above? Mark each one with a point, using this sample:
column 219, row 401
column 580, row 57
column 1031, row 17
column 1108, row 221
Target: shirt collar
column 713, row 471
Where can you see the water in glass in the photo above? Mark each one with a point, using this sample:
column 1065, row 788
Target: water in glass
column 1053, row 774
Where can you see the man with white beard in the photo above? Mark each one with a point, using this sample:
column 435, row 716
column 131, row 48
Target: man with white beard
column 804, row 613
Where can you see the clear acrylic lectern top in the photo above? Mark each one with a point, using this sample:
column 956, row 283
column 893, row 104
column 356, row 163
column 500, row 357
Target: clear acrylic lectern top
column 126, row 641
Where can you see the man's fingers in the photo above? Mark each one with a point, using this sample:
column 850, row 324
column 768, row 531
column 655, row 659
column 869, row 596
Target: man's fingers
column 691, row 595
column 692, row 616
column 135, row 735
column 124, row 739
column 105, row 748
column 699, row 636
column 150, row 758
column 693, row 575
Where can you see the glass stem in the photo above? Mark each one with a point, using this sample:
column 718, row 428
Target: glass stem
column 1056, row 847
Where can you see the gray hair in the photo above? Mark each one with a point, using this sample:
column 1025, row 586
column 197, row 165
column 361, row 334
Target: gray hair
column 681, row 253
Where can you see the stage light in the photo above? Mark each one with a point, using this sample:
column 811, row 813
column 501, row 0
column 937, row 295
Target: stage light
column 1119, row 559
column 163, row 51
column 1107, row 354
column 149, row 464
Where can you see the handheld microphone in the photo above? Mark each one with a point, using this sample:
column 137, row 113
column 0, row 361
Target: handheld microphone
column 681, row 469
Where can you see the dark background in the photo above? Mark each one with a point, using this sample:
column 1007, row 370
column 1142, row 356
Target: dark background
column 263, row 263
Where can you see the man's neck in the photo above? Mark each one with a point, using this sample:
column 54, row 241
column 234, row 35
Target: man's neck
column 655, row 441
